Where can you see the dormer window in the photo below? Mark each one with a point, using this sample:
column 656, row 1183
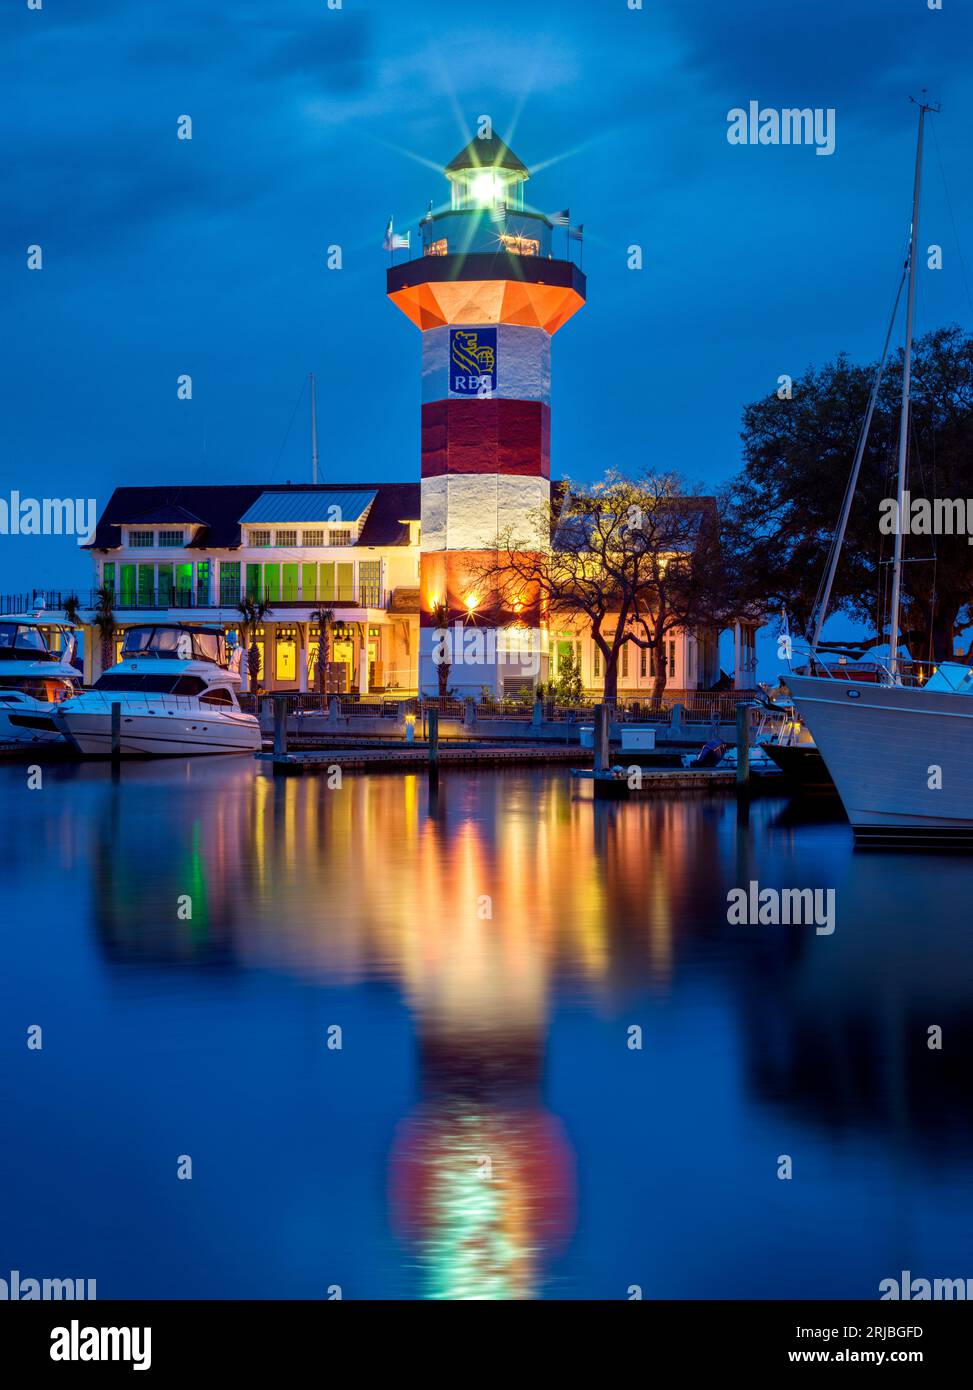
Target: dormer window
column 168, row 539
column 340, row 537
column 260, row 540
column 141, row 540
column 314, row 538
column 287, row 538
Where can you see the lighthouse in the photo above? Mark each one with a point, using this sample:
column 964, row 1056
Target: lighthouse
column 488, row 294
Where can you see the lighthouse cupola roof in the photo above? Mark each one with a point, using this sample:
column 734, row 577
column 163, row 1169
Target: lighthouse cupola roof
column 486, row 173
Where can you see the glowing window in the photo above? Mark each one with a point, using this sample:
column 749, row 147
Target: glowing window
column 520, row 245
column 438, row 248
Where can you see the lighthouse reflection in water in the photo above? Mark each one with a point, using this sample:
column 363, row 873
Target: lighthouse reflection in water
column 489, row 953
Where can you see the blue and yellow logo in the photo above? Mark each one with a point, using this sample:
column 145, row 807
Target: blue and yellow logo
column 473, row 361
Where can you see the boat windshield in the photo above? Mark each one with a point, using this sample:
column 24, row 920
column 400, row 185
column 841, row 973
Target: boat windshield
column 151, row 685
column 180, row 643
column 19, row 640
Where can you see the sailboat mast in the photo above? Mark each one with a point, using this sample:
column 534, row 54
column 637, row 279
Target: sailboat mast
column 314, row 431
column 904, row 421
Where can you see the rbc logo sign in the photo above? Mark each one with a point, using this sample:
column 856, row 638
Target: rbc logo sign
column 473, row 361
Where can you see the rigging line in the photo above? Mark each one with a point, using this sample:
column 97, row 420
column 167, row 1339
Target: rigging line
column 287, row 433
column 949, row 205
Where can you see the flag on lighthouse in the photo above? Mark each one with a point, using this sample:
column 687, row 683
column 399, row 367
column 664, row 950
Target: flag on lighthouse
column 395, row 241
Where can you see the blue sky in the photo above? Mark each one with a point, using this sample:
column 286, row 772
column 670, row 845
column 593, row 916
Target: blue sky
column 311, row 125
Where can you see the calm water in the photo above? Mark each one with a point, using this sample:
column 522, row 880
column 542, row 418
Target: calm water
column 469, row 1040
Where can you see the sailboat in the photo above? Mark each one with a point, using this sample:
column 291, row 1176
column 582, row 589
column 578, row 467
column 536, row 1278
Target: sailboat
column 900, row 753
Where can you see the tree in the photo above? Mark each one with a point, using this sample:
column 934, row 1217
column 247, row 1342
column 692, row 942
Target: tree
column 252, row 612
column 104, row 621
column 635, row 560
column 567, row 687
column 324, row 617
column 783, row 507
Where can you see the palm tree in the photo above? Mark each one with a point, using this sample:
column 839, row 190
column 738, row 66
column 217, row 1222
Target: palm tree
column 105, row 623
column 324, row 618
column 440, row 615
column 252, row 612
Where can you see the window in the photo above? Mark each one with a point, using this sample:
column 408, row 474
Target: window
column 596, row 665
column 672, row 660
column 438, row 248
column 170, row 538
column 369, row 583
column 519, row 245
column 229, row 581
column 340, row 537
column 314, row 538
column 260, row 539
column 141, row 540
column 286, row 538
column 216, row 697
column 643, row 663
column 108, row 575
column 625, row 660
column 202, row 582
column 286, row 654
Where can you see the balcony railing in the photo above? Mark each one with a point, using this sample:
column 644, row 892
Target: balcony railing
column 52, row 601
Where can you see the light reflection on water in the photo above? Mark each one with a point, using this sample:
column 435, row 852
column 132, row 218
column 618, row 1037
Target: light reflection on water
column 485, row 948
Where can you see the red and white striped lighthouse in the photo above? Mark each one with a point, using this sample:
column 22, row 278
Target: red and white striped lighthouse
column 488, row 295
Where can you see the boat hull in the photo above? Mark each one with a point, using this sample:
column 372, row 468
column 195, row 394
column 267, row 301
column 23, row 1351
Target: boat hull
column 802, row 764
column 164, row 735
column 900, row 757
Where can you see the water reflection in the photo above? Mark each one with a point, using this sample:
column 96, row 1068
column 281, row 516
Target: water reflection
column 489, row 901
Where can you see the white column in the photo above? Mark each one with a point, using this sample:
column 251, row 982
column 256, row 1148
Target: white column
column 737, row 657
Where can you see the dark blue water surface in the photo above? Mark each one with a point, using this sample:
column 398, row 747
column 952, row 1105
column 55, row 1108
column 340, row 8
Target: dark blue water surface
column 484, row 1130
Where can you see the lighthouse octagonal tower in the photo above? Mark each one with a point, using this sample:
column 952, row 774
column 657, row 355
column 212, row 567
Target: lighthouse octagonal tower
column 488, row 295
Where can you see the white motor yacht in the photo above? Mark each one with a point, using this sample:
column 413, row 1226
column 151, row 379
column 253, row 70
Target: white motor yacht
column 33, row 680
column 177, row 696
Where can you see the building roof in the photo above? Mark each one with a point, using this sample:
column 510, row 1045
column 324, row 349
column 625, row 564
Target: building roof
column 487, row 154
column 219, row 509
column 308, row 504
column 169, row 515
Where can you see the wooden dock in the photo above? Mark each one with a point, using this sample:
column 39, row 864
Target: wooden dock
column 413, row 758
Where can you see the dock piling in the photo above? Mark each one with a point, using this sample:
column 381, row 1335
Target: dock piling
column 601, row 738
column 116, row 731
column 280, row 725
column 743, row 746
column 433, row 719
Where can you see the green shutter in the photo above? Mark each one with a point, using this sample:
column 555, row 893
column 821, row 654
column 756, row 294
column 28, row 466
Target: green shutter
column 327, row 582
column 272, row 583
column 289, row 574
column 128, row 585
column 146, row 586
column 165, row 585
column 184, row 583
column 346, row 583
column 309, row 583
column 253, row 581
column 108, row 574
